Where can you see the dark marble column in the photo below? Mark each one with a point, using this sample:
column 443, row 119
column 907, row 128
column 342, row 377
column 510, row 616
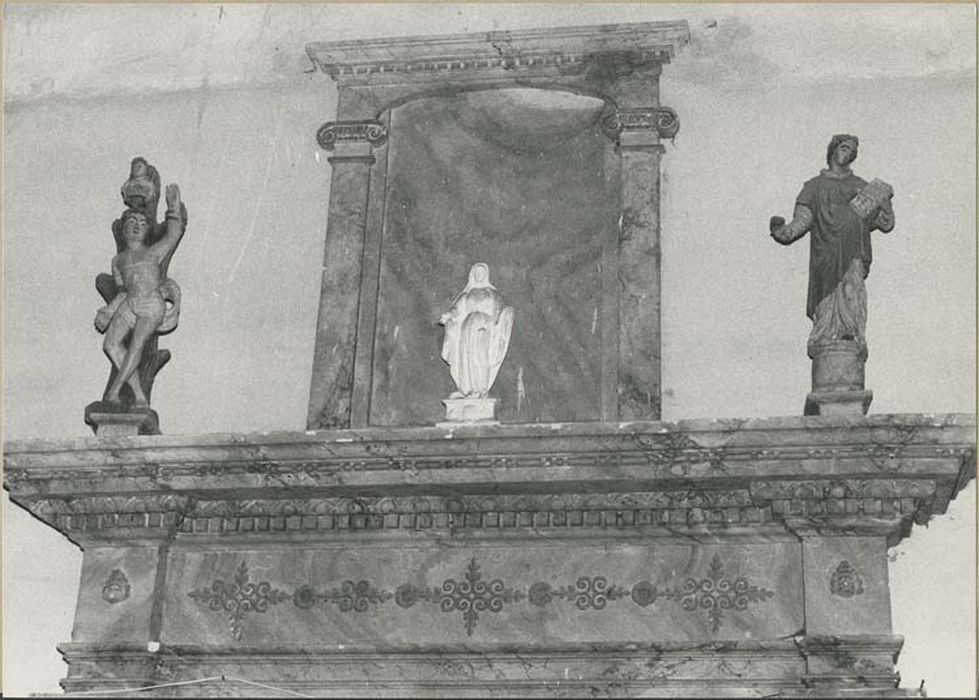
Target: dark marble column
column 637, row 132
column 331, row 390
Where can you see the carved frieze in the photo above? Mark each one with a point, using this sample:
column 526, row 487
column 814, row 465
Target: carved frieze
column 812, row 489
column 108, row 512
column 568, row 62
column 473, row 595
column 758, row 502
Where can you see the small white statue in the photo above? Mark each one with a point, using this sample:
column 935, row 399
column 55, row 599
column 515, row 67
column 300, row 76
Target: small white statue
column 477, row 334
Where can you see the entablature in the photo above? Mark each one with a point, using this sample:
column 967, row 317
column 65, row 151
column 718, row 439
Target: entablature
column 578, row 476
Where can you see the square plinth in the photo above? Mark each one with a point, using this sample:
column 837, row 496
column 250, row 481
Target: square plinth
column 110, row 419
column 838, row 403
column 468, row 410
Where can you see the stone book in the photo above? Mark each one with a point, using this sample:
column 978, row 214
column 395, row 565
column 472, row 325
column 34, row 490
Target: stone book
column 871, row 198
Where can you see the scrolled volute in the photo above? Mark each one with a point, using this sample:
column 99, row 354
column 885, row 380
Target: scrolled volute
column 331, row 133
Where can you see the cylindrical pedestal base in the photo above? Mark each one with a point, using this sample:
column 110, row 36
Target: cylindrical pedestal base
column 838, row 379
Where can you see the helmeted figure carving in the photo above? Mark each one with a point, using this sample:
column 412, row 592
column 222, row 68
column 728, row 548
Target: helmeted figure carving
column 477, row 335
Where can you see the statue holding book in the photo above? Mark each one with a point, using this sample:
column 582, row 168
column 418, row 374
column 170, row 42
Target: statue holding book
column 839, row 211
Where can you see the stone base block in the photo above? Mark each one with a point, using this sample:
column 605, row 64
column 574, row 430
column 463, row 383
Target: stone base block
column 838, row 403
column 748, row 668
column 110, row 419
column 466, row 410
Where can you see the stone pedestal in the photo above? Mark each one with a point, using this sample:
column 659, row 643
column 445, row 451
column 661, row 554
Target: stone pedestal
column 838, row 379
column 466, row 410
column 113, row 420
column 703, row 558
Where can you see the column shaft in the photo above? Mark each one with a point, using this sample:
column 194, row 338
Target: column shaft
column 639, row 380
column 336, row 328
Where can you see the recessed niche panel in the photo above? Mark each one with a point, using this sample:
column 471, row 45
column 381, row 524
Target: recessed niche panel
column 516, row 179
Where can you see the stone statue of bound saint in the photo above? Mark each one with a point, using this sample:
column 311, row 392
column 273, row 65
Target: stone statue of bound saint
column 839, row 211
column 477, row 335
column 141, row 302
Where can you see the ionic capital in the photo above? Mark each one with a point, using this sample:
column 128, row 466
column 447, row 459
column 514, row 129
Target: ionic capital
column 373, row 133
column 662, row 120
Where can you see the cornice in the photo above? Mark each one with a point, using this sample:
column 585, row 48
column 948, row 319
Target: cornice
column 889, row 434
column 535, row 51
column 711, row 474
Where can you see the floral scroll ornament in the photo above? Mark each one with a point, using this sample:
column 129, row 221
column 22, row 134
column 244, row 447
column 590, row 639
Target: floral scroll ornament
column 587, row 592
column 470, row 596
column 716, row 593
column 350, row 596
column 239, row 598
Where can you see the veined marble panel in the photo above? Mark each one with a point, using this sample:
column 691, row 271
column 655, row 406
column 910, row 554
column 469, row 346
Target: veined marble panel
column 494, row 177
column 485, row 594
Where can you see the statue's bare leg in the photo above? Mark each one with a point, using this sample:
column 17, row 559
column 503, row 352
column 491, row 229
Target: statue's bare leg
column 142, row 331
column 114, row 348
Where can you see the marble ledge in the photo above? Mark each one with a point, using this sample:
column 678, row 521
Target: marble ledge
column 776, row 668
column 690, row 473
column 623, row 455
column 814, row 431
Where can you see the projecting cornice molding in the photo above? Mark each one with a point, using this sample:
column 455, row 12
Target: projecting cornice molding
column 537, row 51
column 814, row 473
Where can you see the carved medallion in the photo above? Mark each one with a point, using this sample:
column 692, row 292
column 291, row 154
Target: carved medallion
column 116, row 588
column 846, row 582
column 644, row 593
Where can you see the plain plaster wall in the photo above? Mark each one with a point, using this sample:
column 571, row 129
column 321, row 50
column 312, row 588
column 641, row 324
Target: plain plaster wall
column 216, row 97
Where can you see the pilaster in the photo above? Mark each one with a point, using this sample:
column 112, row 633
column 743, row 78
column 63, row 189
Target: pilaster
column 352, row 144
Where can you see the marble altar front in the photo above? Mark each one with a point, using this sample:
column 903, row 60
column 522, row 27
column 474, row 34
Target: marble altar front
column 581, row 546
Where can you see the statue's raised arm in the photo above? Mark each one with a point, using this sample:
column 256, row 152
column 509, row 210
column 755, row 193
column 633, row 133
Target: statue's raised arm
column 174, row 223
